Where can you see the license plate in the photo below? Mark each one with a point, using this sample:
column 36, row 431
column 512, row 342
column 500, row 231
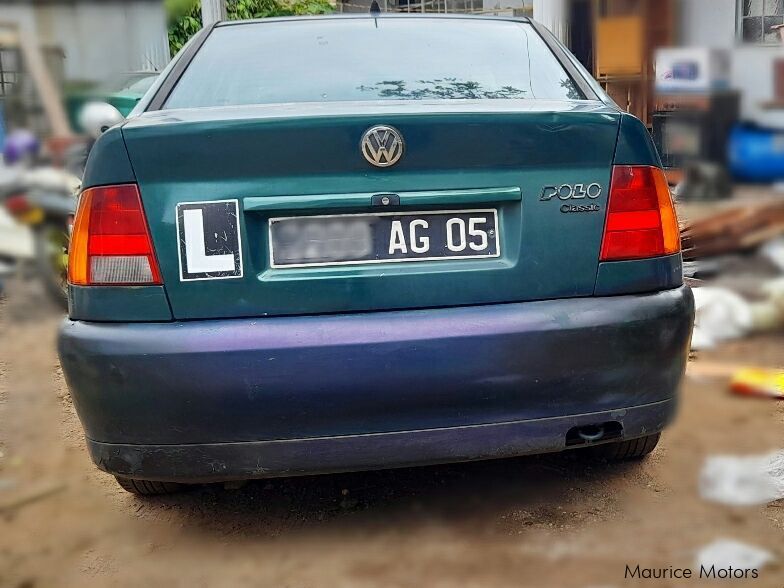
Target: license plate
column 386, row 237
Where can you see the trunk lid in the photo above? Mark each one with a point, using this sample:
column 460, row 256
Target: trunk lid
column 302, row 159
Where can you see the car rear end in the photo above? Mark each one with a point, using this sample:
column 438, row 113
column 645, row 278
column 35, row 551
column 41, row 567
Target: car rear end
column 340, row 259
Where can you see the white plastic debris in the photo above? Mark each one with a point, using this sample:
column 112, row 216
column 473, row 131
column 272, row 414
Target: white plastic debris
column 776, row 471
column 720, row 315
column 726, row 553
column 743, row 481
column 774, row 251
column 768, row 314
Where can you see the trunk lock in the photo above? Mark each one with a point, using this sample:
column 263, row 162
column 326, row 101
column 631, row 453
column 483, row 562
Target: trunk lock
column 385, row 200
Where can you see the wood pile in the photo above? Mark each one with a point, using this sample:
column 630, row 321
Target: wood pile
column 741, row 228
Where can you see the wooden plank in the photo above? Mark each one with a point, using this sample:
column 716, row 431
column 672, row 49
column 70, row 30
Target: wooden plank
column 737, row 229
column 47, row 89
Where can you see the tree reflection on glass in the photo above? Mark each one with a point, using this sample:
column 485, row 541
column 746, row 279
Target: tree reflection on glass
column 445, row 88
column 455, row 89
column 571, row 90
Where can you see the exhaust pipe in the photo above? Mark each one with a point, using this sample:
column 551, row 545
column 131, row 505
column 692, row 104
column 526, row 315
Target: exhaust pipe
column 593, row 433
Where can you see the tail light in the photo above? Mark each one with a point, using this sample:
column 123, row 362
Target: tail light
column 110, row 242
column 641, row 220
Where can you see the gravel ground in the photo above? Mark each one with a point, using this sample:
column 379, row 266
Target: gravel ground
column 536, row 521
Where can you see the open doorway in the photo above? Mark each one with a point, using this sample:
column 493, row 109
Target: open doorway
column 581, row 32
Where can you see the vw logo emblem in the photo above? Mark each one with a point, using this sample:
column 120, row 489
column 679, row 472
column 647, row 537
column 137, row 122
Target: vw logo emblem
column 382, row 145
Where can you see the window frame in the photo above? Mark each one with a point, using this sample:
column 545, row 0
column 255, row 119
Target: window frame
column 739, row 18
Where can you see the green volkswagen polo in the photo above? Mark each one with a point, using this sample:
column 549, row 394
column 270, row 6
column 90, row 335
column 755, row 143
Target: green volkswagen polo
column 347, row 243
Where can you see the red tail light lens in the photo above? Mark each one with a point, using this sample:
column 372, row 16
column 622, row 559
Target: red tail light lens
column 641, row 220
column 111, row 243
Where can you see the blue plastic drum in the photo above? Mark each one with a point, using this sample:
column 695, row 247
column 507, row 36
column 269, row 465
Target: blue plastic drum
column 756, row 154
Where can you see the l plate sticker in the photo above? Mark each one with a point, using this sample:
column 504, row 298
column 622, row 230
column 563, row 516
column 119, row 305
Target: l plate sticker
column 209, row 240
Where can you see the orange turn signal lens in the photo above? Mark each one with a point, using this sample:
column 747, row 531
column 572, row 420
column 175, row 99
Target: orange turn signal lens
column 77, row 250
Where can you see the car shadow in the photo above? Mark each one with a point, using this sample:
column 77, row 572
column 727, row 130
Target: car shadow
column 549, row 490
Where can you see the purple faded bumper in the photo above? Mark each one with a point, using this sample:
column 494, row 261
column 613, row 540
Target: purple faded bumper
column 242, row 398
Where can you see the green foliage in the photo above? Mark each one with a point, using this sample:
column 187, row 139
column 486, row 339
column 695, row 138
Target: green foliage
column 177, row 8
column 184, row 22
column 185, row 15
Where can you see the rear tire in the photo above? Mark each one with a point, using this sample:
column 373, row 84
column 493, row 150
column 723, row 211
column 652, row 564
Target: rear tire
column 148, row 487
column 627, row 450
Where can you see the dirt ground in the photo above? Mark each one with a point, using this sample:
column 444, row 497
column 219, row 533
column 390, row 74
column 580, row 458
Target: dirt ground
column 538, row 521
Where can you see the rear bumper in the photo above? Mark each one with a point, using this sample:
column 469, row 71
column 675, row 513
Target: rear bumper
column 243, row 398
column 213, row 462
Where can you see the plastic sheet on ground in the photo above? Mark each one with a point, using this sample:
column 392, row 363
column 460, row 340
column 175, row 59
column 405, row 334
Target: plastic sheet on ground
column 721, row 315
column 774, row 251
column 743, row 481
column 724, row 553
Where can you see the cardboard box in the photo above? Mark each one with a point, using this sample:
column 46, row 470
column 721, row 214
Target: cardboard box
column 619, row 46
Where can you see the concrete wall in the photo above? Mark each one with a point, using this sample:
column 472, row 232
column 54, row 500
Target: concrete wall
column 712, row 23
column 708, row 23
column 99, row 38
column 752, row 73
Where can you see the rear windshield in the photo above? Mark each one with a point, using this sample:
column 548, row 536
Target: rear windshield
column 328, row 60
